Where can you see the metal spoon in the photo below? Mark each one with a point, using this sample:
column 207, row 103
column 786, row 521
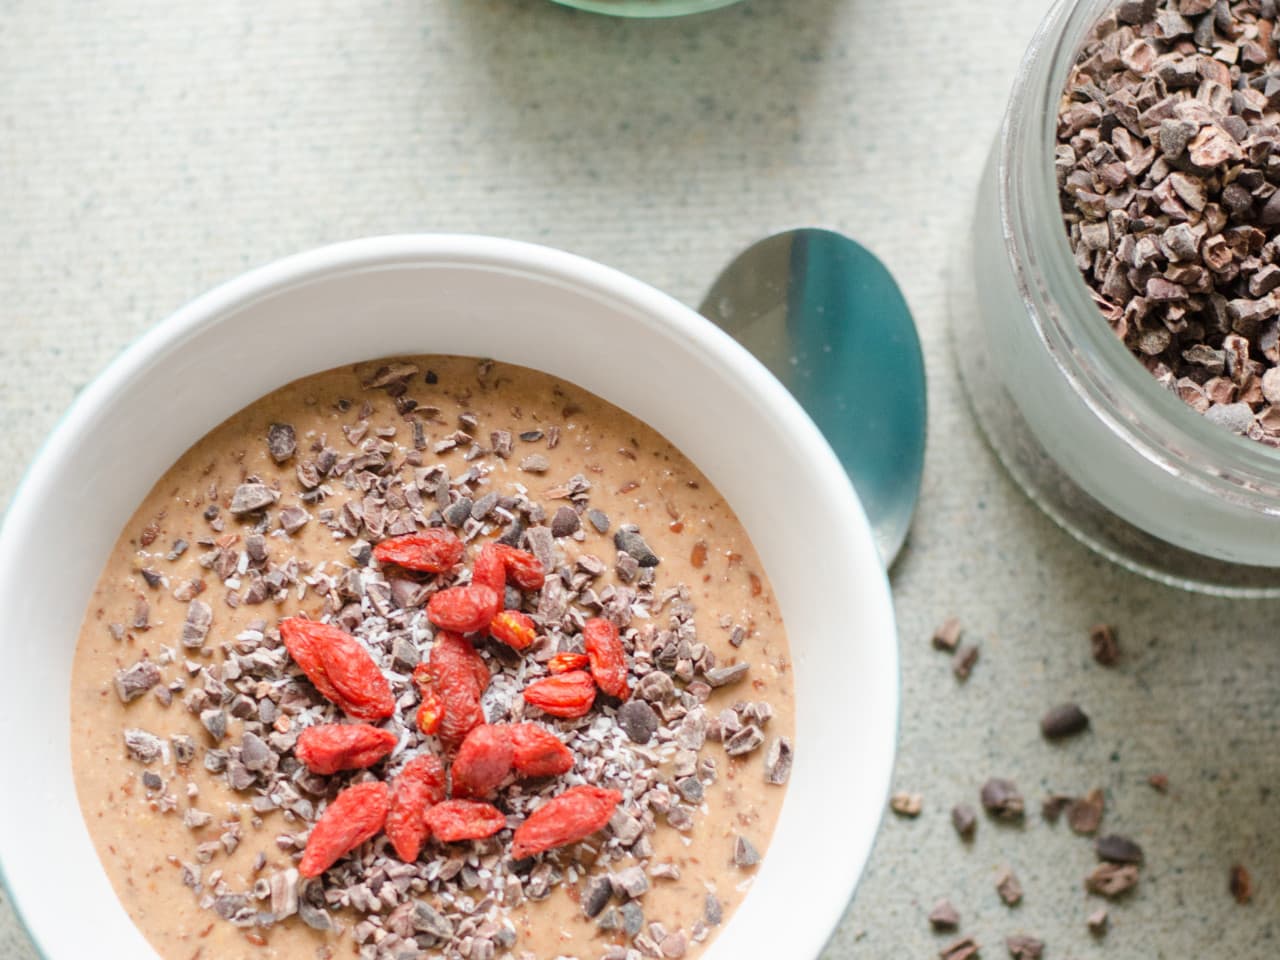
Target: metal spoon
column 828, row 320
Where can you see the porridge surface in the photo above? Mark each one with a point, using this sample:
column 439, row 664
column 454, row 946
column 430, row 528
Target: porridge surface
column 178, row 839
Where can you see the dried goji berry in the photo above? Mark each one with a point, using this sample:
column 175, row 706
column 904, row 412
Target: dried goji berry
column 302, row 640
column 354, row 816
column 339, row 667
column 432, row 551
column 489, row 570
column 451, row 682
column 449, row 651
column 329, row 747
column 537, row 752
column 462, row 714
column 450, row 706
column 608, row 658
column 464, row 609
column 517, row 630
column 484, row 760
column 564, row 662
column 574, row 815
column 456, row 820
column 363, row 691
column 565, row 695
column 430, row 711
column 522, row 567
column 418, row 787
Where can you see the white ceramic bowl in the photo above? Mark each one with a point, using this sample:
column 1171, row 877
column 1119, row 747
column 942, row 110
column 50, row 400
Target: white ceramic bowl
column 474, row 296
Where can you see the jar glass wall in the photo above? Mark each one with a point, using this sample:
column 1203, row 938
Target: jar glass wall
column 1089, row 434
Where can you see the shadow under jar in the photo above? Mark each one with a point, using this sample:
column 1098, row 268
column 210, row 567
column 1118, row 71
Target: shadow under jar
column 1087, row 432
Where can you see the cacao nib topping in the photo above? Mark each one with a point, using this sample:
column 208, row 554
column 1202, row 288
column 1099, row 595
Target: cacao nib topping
column 251, row 497
column 565, row 523
column 143, row 746
column 136, row 680
column 777, row 762
column 744, row 852
column 629, row 541
column 282, row 442
column 196, row 626
column 535, row 463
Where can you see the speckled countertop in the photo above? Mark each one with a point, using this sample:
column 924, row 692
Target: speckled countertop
column 149, row 151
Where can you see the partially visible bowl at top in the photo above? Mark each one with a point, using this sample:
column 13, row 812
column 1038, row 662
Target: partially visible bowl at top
column 646, row 9
column 475, row 296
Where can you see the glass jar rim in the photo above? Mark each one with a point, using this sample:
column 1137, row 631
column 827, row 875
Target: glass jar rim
column 1095, row 362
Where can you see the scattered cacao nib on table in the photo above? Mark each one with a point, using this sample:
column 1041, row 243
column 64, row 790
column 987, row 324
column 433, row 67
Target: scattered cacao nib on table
column 1023, row 947
column 966, row 948
column 1001, row 799
column 1051, row 807
column 1084, row 814
column 906, row 804
column 965, row 659
column 1065, row 720
column 1105, row 648
column 1112, row 880
column 1117, row 849
column 1166, row 172
column 1241, row 884
column 947, row 636
column 944, row 916
column 1008, row 887
column 965, row 820
column 1118, row 872
column 1097, row 922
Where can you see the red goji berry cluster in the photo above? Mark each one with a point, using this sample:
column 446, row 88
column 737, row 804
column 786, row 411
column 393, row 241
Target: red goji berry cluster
column 571, row 690
column 451, row 683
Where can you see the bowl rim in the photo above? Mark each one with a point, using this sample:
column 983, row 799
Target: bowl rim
column 579, row 273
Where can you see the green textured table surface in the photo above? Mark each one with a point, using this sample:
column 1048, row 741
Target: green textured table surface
column 149, row 151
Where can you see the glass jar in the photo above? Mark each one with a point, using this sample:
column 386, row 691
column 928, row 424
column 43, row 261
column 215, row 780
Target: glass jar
column 1084, row 429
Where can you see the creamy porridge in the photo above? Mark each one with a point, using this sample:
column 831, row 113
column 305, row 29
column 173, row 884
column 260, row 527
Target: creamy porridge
column 206, row 747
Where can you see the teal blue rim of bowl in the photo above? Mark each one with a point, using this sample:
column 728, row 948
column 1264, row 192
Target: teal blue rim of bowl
column 646, row 9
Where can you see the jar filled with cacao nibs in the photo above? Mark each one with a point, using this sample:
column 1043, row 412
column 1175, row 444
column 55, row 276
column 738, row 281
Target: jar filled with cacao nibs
column 1113, row 356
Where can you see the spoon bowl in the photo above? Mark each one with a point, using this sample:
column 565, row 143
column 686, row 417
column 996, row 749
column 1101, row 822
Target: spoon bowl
column 826, row 317
column 647, row 9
